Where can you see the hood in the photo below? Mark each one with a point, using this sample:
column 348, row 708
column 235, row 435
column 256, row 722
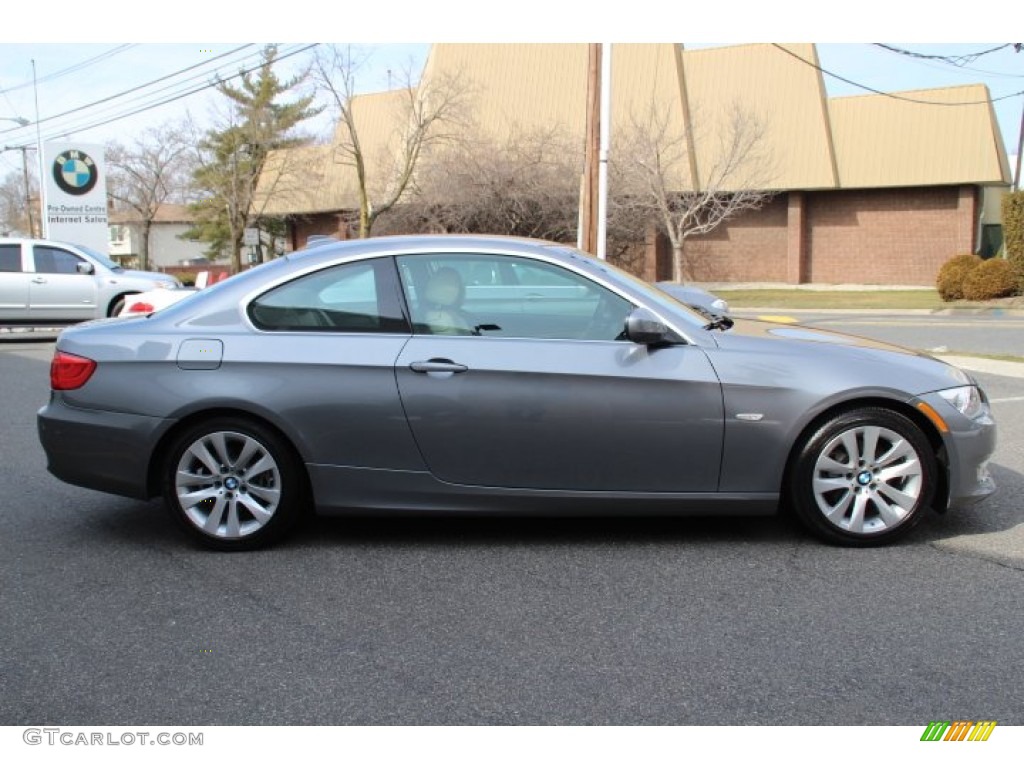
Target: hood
column 801, row 333
column 853, row 360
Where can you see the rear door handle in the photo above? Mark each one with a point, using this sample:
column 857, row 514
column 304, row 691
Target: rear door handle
column 437, row 365
column 38, row 280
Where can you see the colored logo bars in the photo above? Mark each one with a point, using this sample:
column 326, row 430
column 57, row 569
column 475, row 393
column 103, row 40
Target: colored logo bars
column 958, row 730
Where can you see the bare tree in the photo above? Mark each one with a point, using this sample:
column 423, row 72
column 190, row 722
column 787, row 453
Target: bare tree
column 424, row 116
column 657, row 177
column 526, row 185
column 17, row 208
column 153, row 171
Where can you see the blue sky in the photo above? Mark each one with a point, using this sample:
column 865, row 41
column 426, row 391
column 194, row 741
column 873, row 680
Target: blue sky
column 74, row 102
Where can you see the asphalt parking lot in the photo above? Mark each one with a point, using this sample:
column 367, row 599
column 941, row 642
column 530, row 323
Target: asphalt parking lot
column 112, row 617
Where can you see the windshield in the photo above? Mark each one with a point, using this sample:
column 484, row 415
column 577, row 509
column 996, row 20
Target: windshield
column 102, row 258
column 637, row 283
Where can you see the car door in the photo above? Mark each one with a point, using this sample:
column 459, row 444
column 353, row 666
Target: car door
column 14, row 283
column 59, row 290
column 330, row 337
column 540, row 391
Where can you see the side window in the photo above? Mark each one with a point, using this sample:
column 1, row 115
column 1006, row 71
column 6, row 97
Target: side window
column 10, row 258
column 55, row 261
column 361, row 297
column 508, row 296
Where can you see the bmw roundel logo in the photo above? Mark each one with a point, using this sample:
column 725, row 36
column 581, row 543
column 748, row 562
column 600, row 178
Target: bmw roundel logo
column 75, row 172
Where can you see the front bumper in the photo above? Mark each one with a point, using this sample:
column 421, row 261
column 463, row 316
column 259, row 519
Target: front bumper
column 102, row 450
column 970, row 444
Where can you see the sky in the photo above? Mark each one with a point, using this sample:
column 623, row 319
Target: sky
column 94, row 86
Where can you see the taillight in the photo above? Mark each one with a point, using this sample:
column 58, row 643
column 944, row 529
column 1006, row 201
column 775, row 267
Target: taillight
column 141, row 307
column 69, row 371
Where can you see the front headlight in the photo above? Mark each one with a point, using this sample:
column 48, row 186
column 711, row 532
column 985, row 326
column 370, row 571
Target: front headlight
column 968, row 400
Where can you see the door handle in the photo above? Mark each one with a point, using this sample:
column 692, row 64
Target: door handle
column 38, row 280
column 437, row 365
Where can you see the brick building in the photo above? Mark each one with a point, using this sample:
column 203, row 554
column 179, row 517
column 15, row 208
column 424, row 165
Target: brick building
column 877, row 189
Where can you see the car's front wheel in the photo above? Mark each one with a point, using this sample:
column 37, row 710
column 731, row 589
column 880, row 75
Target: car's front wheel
column 233, row 484
column 864, row 477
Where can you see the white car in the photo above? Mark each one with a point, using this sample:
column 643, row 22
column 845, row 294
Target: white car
column 47, row 281
column 148, row 302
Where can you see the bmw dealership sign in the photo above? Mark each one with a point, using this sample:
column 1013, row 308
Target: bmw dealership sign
column 76, row 194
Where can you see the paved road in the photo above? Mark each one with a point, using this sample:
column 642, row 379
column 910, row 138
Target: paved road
column 994, row 334
column 110, row 617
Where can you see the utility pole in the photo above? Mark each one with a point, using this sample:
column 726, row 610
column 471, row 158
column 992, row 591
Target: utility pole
column 43, row 226
column 589, row 193
column 1020, row 148
column 605, row 138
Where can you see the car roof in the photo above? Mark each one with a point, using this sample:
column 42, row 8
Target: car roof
column 37, row 241
column 434, row 242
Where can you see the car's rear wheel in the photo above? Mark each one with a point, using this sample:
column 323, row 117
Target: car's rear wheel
column 233, row 484
column 865, row 477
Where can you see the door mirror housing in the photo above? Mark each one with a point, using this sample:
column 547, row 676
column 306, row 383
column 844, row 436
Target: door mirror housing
column 644, row 327
column 85, row 268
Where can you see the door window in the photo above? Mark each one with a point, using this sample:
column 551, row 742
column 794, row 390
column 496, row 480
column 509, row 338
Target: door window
column 361, row 297
column 10, row 258
column 56, row 261
column 508, row 296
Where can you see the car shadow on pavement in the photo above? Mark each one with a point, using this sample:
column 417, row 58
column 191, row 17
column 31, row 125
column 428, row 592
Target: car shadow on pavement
column 148, row 524
column 540, row 530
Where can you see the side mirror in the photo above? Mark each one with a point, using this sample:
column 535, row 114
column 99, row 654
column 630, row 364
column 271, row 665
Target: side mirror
column 84, row 268
column 644, row 327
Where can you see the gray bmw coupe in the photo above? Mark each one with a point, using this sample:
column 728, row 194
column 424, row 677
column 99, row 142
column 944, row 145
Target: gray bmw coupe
column 494, row 375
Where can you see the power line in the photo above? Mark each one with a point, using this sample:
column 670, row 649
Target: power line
column 956, row 60
column 938, row 65
column 74, row 110
column 184, row 89
column 73, row 68
column 178, row 96
column 895, row 96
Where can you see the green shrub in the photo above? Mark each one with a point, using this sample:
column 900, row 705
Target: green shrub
column 992, row 279
column 950, row 282
column 1013, row 234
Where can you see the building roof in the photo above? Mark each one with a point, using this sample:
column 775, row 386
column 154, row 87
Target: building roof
column 812, row 142
column 896, row 140
column 322, row 178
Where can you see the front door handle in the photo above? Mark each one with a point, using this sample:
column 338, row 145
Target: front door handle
column 437, row 365
column 38, row 280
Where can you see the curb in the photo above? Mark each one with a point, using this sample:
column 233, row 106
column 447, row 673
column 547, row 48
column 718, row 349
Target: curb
column 984, row 365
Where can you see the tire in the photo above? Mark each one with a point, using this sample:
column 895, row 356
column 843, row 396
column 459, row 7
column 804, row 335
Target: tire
column 865, row 477
column 233, row 484
column 117, row 305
